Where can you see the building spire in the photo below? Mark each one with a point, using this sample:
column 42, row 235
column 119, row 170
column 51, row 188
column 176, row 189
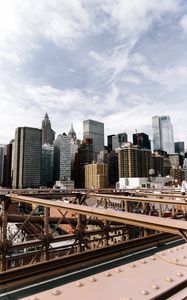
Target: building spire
column 72, row 133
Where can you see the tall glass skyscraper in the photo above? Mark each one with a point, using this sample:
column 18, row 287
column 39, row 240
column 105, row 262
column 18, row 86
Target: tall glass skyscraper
column 163, row 134
column 94, row 130
column 62, row 157
column 27, row 157
column 47, row 165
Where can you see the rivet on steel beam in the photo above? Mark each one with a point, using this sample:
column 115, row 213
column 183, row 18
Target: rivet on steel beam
column 143, row 261
column 125, row 298
column 175, row 260
column 163, row 253
column 107, row 274
column 56, row 292
column 179, row 274
column 132, row 265
column 182, row 247
column 170, row 251
column 79, row 284
column 144, row 292
column 92, row 279
column 155, row 286
column 169, row 279
column 183, row 256
column 118, row 270
column 153, row 258
column 34, row 298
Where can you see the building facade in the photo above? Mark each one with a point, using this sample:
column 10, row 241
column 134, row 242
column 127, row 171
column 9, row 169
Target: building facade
column 141, row 140
column 48, row 135
column 1, row 164
column 27, row 157
column 129, row 161
column 96, row 175
column 94, row 130
column 118, row 140
column 179, row 147
column 83, row 157
column 47, row 165
column 163, row 134
column 7, row 166
column 62, row 157
column 109, row 142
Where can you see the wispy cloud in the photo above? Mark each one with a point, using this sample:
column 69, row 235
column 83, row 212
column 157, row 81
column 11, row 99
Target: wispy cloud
column 116, row 61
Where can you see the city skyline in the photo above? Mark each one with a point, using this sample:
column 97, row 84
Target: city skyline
column 116, row 62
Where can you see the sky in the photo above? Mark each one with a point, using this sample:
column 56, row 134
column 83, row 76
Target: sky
column 115, row 61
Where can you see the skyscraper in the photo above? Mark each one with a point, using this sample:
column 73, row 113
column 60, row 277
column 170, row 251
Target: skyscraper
column 118, row 140
column 129, row 161
column 7, row 166
column 163, row 134
column 179, row 147
column 27, row 157
column 62, row 157
column 84, row 156
column 47, row 165
column 142, row 140
column 1, row 163
column 48, row 135
column 94, row 130
column 109, row 142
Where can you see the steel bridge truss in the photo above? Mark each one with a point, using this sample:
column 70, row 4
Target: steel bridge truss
column 76, row 228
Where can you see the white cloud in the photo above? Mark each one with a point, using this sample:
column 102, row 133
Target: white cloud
column 113, row 80
column 24, row 23
column 183, row 23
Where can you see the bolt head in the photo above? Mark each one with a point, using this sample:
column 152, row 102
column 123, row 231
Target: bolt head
column 132, row 265
column 155, row 286
column 179, row 274
column 108, row 274
column 153, row 258
column 144, row 292
column 79, row 284
column 118, row 270
column 169, row 279
column 92, row 279
column 56, row 292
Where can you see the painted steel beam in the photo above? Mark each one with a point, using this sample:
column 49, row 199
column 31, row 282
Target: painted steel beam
column 181, row 202
column 156, row 223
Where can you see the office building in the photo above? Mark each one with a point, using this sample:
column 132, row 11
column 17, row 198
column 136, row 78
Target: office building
column 94, row 130
column 48, row 135
column 113, row 168
column 109, row 142
column 62, row 157
column 118, row 140
column 74, row 145
column 47, row 165
column 141, row 140
column 1, row 163
column 179, row 147
column 96, row 175
column 133, row 161
column 129, row 161
column 145, row 162
column 83, row 157
column 7, row 166
column 158, row 164
column 27, row 157
column 163, row 134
